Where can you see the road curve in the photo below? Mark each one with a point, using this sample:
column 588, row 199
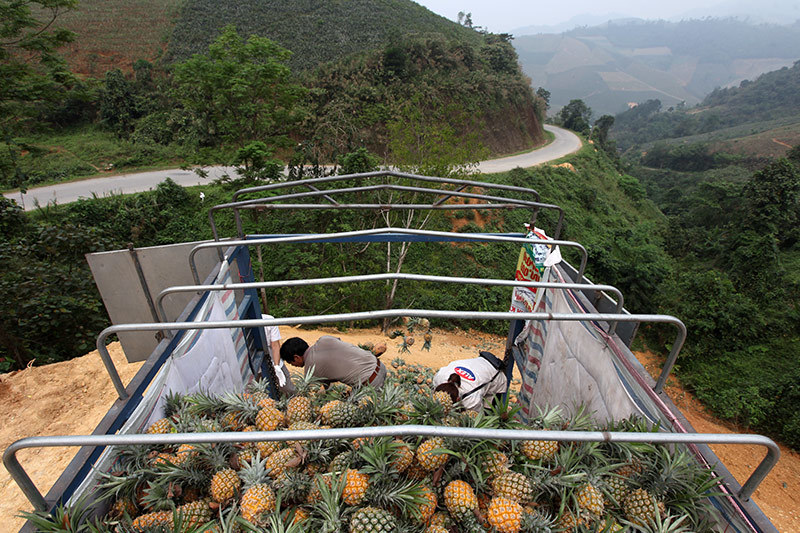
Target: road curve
column 565, row 143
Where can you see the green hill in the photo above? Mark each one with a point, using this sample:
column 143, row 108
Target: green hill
column 630, row 61
column 116, row 33
column 757, row 118
column 317, row 32
column 369, row 65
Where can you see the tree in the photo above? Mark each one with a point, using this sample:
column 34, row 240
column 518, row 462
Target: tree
column 544, row 94
column 118, row 108
column 773, row 201
column 241, row 91
column 430, row 139
column 575, row 116
column 32, row 74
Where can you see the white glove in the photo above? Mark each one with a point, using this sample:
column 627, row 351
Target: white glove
column 280, row 375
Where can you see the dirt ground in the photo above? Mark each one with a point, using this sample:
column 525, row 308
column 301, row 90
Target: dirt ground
column 70, row 398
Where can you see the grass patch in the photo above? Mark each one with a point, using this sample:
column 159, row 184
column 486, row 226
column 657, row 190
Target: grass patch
column 88, row 151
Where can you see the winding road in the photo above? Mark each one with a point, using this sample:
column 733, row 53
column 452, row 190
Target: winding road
column 565, row 143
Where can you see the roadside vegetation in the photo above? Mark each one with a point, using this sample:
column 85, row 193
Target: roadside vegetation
column 733, row 216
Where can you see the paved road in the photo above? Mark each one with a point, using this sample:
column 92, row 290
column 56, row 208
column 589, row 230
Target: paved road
column 565, row 143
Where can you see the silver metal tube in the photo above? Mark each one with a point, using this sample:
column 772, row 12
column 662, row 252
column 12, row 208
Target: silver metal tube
column 383, row 231
column 34, row 496
column 382, row 277
column 392, row 173
column 387, row 313
column 309, row 183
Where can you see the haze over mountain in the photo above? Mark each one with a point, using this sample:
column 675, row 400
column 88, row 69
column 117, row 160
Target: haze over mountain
column 617, row 64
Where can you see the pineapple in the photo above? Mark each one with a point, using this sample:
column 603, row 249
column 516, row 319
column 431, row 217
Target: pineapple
column 341, row 462
column 505, row 515
column 268, row 447
column 326, row 411
column 195, row 514
column 426, row 454
column 299, row 409
column 538, row 450
column 642, row 508
column 441, row 519
column 151, row 521
column 591, row 499
column 343, row 415
column 300, row 515
column 122, row 507
column 514, row 486
column 460, row 499
column 403, row 456
column 280, row 461
column 224, row 485
column 160, row 426
column 443, row 399
column 355, row 487
column 187, row 453
column 495, row 463
column 269, row 419
column 256, row 503
column 301, row 425
column 427, row 509
column 372, row 520
column 617, row 488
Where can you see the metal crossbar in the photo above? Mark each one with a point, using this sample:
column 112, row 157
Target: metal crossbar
column 35, row 497
column 383, row 277
column 328, row 194
column 271, row 203
column 390, row 313
column 387, row 232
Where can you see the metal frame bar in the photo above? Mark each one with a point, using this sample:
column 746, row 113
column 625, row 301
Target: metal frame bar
column 390, row 313
column 310, row 183
column 27, row 486
column 383, row 277
column 387, row 232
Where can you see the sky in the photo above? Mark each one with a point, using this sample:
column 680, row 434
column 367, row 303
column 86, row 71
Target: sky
column 499, row 16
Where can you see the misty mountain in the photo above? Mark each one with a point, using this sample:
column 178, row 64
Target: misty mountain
column 620, row 63
column 766, row 11
column 584, row 19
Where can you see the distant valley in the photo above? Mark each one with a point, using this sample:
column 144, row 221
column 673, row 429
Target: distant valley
column 619, row 63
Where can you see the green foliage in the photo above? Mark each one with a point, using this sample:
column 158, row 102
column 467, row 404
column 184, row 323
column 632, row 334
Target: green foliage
column 424, row 140
column 315, row 32
column 694, row 157
column 358, row 162
column 356, row 101
column 53, row 311
column 33, row 75
column 240, row 91
column 733, row 239
column 118, row 108
column 773, row 95
column 576, row 116
column 773, row 201
column 254, row 162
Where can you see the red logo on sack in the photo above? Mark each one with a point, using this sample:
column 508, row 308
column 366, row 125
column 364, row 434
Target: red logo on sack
column 465, row 373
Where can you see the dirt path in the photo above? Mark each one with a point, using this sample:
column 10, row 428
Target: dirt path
column 71, row 397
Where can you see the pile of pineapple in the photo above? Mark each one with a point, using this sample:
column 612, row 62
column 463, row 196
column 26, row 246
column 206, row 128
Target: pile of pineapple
column 430, row 484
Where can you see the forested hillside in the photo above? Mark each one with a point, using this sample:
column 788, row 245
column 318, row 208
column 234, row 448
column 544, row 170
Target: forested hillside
column 315, row 32
column 772, row 99
column 257, row 84
column 733, row 217
column 631, row 61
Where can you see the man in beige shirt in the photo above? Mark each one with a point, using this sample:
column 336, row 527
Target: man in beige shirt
column 335, row 360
